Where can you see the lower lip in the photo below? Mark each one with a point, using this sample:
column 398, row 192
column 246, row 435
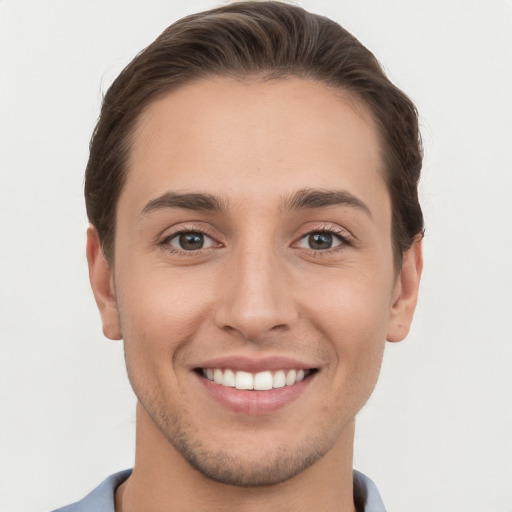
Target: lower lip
column 255, row 403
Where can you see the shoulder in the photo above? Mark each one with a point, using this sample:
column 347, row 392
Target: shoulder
column 100, row 499
column 366, row 495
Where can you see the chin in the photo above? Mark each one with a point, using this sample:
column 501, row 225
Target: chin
column 262, row 469
column 244, row 459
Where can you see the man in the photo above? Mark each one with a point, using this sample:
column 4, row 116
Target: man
column 255, row 239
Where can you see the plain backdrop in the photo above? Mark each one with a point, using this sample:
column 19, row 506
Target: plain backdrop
column 437, row 433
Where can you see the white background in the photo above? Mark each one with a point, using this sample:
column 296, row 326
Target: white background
column 437, row 434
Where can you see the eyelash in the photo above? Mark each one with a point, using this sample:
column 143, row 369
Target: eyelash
column 340, row 234
column 166, row 245
column 343, row 237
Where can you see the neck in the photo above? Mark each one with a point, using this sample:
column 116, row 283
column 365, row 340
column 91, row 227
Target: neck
column 162, row 480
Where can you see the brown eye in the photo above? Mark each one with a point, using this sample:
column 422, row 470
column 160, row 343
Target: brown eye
column 320, row 241
column 190, row 241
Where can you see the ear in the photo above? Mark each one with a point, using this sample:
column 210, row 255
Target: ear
column 102, row 283
column 405, row 294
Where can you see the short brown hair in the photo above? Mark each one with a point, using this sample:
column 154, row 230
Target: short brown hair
column 247, row 39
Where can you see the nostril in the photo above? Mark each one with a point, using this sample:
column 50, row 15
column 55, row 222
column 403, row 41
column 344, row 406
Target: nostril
column 280, row 327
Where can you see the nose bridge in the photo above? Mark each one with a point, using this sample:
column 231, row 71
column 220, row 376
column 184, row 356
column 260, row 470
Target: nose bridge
column 256, row 299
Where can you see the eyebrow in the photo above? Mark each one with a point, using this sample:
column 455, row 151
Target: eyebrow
column 320, row 198
column 191, row 201
column 303, row 199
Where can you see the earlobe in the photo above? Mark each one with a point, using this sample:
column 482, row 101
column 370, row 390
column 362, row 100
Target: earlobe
column 102, row 283
column 406, row 292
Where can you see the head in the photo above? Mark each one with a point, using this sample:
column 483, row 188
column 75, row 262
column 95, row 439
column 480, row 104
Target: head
column 245, row 41
column 252, row 192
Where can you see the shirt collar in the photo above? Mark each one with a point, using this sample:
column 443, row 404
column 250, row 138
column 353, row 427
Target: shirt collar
column 102, row 499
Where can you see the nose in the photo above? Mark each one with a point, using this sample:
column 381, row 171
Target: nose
column 256, row 297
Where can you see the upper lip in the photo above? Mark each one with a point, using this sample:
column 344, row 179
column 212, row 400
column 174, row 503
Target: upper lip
column 253, row 364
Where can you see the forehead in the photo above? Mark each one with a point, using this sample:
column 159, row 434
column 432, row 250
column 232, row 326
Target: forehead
column 237, row 139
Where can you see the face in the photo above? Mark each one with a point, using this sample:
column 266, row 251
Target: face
column 253, row 250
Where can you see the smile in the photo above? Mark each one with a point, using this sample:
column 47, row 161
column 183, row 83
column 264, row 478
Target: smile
column 260, row 381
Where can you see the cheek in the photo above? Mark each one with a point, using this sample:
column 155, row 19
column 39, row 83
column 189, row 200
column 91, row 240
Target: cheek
column 159, row 313
column 156, row 323
column 353, row 316
column 352, row 308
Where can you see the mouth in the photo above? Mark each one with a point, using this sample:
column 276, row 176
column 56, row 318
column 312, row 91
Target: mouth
column 260, row 381
column 255, row 385
column 258, row 392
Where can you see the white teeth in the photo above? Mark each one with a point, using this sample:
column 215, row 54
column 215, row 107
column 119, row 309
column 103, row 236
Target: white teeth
column 263, row 381
column 279, row 380
column 217, row 376
column 244, row 380
column 290, row 378
column 228, row 379
column 260, row 381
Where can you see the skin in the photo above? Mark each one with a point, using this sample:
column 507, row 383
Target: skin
column 257, row 289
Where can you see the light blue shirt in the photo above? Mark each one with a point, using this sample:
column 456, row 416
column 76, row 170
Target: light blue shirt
column 366, row 495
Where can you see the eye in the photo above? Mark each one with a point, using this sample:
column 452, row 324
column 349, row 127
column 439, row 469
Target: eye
column 190, row 241
column 320, row 241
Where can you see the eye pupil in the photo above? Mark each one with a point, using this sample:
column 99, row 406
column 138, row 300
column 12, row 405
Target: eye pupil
column 191, row 241
column 320, row 241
